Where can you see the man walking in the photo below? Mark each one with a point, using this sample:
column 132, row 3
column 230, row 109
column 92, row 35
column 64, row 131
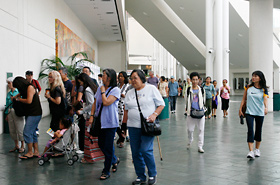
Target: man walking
column 173, row 93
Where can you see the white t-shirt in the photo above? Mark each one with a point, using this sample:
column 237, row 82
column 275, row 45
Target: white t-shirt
column 149, row 99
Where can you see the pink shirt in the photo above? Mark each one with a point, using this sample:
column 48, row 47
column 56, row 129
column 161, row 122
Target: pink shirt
column 225, row 93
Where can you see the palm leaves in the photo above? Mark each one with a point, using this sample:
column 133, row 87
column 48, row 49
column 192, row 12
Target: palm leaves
column 74, row 69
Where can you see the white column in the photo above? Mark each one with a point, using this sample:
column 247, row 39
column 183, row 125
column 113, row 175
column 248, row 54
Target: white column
column 276, row 79
column 261, row 42
column 209, row 38
column 226, row 39
column 218, row 27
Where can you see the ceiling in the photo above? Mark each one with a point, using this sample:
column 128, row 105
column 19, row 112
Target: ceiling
column 192, row 13
column 103, row 18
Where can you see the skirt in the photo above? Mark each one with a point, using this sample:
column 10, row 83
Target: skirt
column 215, row 103
column 225, row 104
column 165, row 112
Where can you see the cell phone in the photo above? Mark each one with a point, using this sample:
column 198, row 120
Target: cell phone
column 242, row 120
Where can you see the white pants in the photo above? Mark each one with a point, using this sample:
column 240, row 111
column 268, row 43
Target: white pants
column 191, row 122
column 16, row 125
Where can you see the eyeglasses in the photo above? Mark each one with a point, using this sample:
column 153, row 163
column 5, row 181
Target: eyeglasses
column 134, row 78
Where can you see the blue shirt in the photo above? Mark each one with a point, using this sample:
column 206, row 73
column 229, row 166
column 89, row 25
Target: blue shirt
column 195, row 100
column 173, row 88
column 109, row 115
column 255, row 101
column 8, row 99
column 210, row 90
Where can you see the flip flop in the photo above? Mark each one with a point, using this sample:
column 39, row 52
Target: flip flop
column 25, row 157
column 14, row 150
column 21, row 150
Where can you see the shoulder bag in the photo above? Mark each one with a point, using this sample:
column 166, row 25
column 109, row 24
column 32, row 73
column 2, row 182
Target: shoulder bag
column 96, row 125
column 148, row 129
column 194, row 113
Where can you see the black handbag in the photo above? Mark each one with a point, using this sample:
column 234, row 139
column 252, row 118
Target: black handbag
column 147, row 128
column 96, row 124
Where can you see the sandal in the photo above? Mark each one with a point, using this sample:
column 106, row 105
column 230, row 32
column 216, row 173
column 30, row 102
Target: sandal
column 115, row 166
column 104, row 176
column 14, row 150
column 25, row 157
column 120, row 145
column 21, row 150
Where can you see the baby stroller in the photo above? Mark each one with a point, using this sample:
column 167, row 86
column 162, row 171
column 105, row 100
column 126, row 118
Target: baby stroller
column 64, row 145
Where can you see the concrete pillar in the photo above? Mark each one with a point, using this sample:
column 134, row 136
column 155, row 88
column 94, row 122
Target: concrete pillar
column 209, row 38
column 226, row 50
column 218, row 30
column 276, row 79
column 261, row 42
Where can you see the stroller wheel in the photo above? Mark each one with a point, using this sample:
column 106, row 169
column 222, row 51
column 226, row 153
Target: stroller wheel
column 75, row 158
column 70, row 162
column 41, row 162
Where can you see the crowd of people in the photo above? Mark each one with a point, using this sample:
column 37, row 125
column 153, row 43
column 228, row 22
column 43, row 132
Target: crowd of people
column 110, row 104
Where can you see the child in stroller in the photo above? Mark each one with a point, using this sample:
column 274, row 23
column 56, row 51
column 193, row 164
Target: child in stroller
column 59, row 136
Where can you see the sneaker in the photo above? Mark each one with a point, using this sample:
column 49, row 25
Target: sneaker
column 257, row 153
column 188, row 146
column 200, row 150
column 251, row 155
column 79, row 152
column 37, row 133
column 138, row 181
column 152, row 180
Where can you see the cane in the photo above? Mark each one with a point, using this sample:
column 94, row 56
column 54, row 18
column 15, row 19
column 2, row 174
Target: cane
column 159, row 148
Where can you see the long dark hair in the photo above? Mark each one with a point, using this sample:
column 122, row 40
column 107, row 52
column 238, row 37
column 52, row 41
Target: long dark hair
column 125, row 76
column 111, row 73
column 262, row 79
column 88, row 82
column 21, row 84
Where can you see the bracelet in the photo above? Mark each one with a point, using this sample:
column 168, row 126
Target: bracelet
column 102, row 93
column 155, row 113
column 92, row 115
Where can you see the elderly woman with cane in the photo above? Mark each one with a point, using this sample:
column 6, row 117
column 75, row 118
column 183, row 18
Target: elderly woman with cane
column 151, row 103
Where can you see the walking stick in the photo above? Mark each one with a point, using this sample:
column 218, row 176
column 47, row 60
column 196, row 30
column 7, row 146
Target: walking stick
column 159, row 148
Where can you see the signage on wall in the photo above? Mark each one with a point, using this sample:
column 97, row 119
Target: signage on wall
column 9, row 75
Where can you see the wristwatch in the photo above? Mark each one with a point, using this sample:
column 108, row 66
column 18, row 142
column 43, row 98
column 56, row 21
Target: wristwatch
column 102, row 93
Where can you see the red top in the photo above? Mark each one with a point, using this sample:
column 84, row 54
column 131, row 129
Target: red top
column 36, row 84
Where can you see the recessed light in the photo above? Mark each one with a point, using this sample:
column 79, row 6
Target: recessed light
column 172, row 41
column 114, row 25
column 240, row 35
column 115, row 29
column 195, row 65
column 231, row 64
column 145, row 13
column 109, row 12
column 95, row 7
column 116, row 33
column 182, row 8
column 118, row 40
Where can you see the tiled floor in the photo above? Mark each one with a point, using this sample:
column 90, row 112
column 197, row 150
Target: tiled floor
column 224, row 160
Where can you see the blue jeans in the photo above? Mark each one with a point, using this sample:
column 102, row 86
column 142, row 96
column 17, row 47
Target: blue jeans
column 142, row 153
column 29, row 131
column 250, row 124
column 106, row 144
column 173, row 100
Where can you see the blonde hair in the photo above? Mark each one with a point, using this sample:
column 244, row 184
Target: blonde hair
column 57, row 82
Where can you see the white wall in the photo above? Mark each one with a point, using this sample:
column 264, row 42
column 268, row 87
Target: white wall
column 112, row 55
column 27, row 34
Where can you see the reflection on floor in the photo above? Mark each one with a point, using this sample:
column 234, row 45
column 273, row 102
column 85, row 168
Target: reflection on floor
column 224, row 160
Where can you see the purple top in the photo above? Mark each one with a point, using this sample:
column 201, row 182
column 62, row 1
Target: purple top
column 153, row 81
column 109, row 115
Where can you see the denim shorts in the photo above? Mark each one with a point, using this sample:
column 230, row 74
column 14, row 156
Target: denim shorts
column 29, row 132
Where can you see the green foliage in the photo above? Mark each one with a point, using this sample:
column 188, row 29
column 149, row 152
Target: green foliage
column 48, row 65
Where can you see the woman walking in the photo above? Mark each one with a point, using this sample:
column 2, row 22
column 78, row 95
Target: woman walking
column 210, row 95
column 16, row 124
column 151, row 104
column 163, row 90
column 89, row 90
column 55, row 99
column 215, row 99
column 224, row 92
column 33, row 114
column 106, row 105
column 121, row 130
column 255, row 100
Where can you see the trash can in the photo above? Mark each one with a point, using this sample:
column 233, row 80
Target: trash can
column 276, row 101
column 165, row 112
